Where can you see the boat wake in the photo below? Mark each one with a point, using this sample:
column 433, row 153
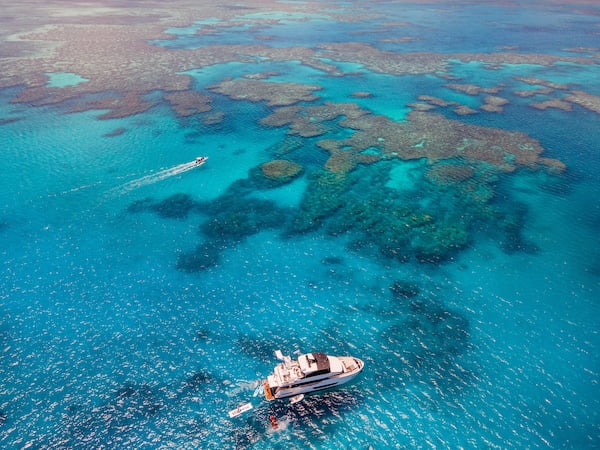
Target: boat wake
column 75, row 189
column 156, row 177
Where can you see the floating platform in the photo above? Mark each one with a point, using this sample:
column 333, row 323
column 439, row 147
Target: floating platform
column 240, row 410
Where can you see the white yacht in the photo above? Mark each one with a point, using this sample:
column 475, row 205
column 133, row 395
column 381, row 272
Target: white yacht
column 200, row 160
column 311, row 372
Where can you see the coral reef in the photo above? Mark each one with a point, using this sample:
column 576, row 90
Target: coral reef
column 432, row 136
column 497, row 59
column 541, row 82
column 275, row 94
column 553, row 166
column 418, row 106
column 384, row 61
column 472, row 89
column 429, row 62
column 177, row 206
column 340, row 160
column 585, row 100
column 553, row 103
column 533, row 92
column 435, row 100
column 380, row 220
column 115, row 132
column 511, row 224
column 288, row 145
column 361, row 94
column 464, row 110
column 231, row 218
column 187, row 103
column 115, row 53
column 123, row 66
column 439, row 241
column 282, row 116
column 432, row 102
column 213, row 118
column 582, row 49
column 281, row 170
column 321, row 198
column 261, row 75
column 310, row 121
column 236, row 219
column 340, row 197
column 448, row 173
column 204, row 256
column 578, row 97
column 494, row 103
column 478, row 191
column 122, row 106
column 402, row 39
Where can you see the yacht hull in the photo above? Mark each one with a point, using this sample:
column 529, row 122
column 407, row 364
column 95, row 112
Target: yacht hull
column 352, row 367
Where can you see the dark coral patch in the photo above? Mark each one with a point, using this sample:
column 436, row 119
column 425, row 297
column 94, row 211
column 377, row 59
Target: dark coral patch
column 440, row 241
column 404, row 289
column 139, row 206
column 257, row 348
column 177, row 206
column 202, row 334
column 386, row 220
column 199, row 381
column 115, row 132
column 232, row 218
column 451, row 328
column 138, row 397
column 332, row 260
column 244, row 218
column 322, row 197
column 430, row 340
column 288, row 145
column 133, row 401
column 204, row 256
column 512, row 224
column 7, row 120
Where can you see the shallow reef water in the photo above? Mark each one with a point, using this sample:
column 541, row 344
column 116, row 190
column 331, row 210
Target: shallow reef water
column 411, row 183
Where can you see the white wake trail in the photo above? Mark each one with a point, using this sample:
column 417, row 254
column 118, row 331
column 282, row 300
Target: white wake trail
column 154, row 178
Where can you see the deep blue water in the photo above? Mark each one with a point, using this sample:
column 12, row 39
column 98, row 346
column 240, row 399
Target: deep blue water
column 112, row 335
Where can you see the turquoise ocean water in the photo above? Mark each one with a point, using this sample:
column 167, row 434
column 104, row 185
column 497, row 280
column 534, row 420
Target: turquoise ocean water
column 139, row 300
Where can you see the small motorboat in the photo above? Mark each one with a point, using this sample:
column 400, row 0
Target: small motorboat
column 200, row 160
column 311, row 372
